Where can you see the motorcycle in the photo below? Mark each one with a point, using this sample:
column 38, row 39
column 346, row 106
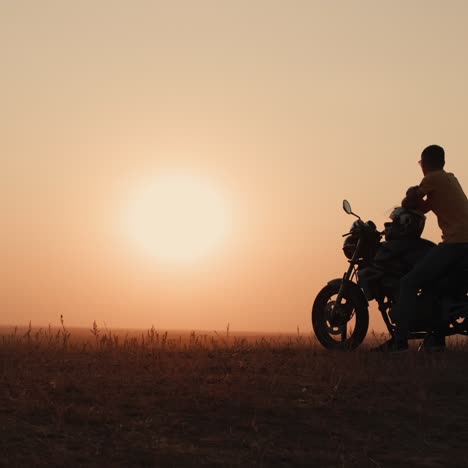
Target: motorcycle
column 340, row 313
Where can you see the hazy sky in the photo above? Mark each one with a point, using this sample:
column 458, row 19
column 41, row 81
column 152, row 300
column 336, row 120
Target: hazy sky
column 283, row 107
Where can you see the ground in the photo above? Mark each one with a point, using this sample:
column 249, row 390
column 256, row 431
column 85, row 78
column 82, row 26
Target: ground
column 153, row 400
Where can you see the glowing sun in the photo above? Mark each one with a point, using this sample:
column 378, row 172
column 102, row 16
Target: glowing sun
column 177, row 217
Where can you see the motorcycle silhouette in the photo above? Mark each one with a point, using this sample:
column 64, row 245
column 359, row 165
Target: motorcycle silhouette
column 340, row 313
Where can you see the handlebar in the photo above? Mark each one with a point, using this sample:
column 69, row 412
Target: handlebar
column 364, row 225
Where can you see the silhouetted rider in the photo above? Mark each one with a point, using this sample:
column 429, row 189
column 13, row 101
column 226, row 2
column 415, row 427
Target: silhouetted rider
column 440, row 192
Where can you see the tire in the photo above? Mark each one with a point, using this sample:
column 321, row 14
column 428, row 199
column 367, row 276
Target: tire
column 339, row 333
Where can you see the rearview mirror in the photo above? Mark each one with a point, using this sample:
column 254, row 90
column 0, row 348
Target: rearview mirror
column 347, row 207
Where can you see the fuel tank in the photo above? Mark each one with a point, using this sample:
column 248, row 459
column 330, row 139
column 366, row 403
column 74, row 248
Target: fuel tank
column 394, row 258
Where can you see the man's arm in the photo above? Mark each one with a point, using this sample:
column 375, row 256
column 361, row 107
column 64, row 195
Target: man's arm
column 414, row 200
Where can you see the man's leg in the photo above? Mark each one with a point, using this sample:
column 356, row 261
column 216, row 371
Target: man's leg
column 431, row 267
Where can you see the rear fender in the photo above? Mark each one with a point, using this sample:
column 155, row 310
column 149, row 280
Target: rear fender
column 356, row 290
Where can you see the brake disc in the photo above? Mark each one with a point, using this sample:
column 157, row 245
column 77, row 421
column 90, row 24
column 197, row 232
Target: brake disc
column 338, row 317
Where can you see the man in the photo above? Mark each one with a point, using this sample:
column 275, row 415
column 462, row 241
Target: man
column 440, row 192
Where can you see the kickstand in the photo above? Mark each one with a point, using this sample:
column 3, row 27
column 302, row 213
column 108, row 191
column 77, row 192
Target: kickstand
column 423, row 342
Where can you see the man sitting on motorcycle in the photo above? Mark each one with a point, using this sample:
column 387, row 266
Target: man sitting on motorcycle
column 440, row 192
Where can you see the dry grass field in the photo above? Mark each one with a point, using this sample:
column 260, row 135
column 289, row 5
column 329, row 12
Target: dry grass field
column 158, row 399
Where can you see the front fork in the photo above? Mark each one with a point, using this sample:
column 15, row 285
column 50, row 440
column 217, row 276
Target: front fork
column 347, row 276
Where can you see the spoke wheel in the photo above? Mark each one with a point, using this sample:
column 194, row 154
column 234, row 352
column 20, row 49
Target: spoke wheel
column 339, row 326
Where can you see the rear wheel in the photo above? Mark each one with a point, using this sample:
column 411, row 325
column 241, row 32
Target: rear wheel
column 343, row 327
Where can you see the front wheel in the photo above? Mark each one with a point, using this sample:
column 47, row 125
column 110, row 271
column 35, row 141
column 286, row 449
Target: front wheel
column 343, row 327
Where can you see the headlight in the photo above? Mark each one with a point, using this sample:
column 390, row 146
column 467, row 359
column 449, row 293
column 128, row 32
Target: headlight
column 349, row 246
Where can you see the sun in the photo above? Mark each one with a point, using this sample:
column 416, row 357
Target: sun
column 177, row 217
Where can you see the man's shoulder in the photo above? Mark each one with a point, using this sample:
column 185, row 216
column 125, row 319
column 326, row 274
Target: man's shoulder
column 441, row 177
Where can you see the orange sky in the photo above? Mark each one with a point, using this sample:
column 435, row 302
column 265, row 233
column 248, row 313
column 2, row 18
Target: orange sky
column 285, row 107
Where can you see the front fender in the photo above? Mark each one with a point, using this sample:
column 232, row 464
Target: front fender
column 350, row 286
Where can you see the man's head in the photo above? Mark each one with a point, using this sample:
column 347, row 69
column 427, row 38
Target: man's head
column 432, row 158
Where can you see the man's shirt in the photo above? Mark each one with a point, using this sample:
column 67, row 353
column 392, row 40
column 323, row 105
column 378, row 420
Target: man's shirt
column 445, row 197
